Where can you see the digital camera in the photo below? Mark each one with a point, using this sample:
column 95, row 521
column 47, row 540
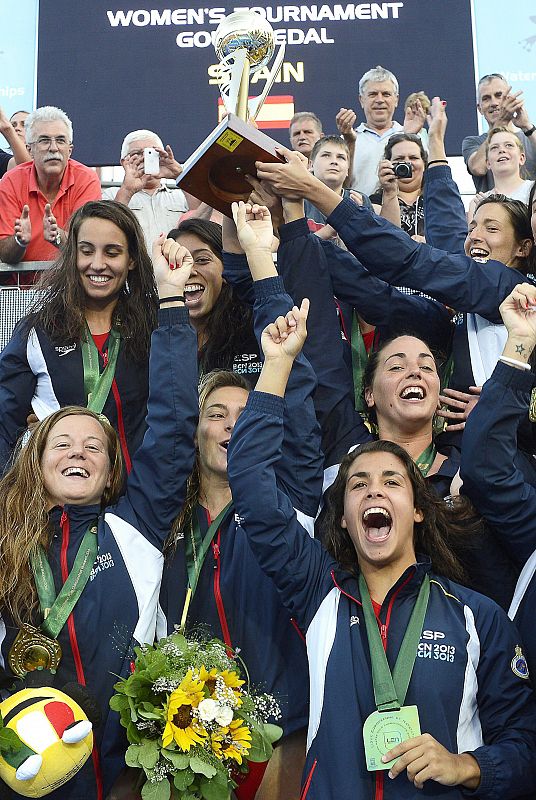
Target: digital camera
column 403, row 169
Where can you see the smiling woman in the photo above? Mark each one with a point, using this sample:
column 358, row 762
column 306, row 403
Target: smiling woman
column 86, row 341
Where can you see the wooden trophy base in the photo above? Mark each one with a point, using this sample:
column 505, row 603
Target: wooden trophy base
column 214, row 173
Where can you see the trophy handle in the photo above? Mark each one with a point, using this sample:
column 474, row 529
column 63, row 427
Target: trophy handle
column 255, row 104
column 234, row 66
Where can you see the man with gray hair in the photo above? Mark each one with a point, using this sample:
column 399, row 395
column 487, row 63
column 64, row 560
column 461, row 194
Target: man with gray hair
column 500, row 107
column 37, row 198
column 157, row 206
column 378, row 96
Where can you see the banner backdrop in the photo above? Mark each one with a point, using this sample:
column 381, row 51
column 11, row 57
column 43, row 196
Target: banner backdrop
column 17, row 56
column 116, row 68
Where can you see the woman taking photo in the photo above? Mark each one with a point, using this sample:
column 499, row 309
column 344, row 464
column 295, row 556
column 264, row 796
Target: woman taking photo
column 455, row 712
column 399, row 198
column 86, row 341
column 60, row 503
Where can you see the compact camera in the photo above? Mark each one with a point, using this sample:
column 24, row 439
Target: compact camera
column 403, row 169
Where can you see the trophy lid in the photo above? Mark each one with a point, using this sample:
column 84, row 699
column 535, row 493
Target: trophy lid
column 245, row 30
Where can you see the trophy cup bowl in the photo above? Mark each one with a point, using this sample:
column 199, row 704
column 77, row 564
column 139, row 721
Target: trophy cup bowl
column 215, row 172
column 245, row 30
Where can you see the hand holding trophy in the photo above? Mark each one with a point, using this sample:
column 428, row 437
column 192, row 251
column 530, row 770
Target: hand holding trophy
column 214, row 173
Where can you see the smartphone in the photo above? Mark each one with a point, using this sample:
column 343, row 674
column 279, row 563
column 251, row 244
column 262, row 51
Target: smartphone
column 151, row 161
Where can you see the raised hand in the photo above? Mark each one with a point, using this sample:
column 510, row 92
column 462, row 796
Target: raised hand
column 22, row 228
column 425, row 759
column 414, row 118
column 263, row 195
column 133, row 166
column 169, row 167
column 459, row 406
column 387, row 178
column 345, row 121
column 172, row 265
column 287, row 178
column 437, row 118
column 518, row 312
column 284, row 338
column 253, row 227
column 51, row 229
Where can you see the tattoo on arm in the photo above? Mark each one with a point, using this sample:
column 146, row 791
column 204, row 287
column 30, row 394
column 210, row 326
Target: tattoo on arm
column 520, row 349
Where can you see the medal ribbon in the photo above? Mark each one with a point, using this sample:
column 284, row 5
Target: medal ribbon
column 196, row 546
column 56, row 610
column 97, row 385
column 390, row 689
column 359, row 361
column 426, row 459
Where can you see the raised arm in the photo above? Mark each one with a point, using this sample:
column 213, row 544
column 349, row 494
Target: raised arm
column 163, row 462
column 491, row 477
column 297, row 564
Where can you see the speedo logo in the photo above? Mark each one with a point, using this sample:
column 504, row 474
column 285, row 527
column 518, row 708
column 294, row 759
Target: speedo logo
column 63, row 349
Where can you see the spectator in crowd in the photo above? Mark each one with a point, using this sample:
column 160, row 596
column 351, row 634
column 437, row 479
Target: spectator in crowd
column 500, row 108
column 223, row 323
column 13, row 132
column 62, row 498
column 411, row 106
column 491, row 478
column 505, row 158
column 399, row 199
column 378, row 96
column 387, row 561
column 232, row 596
column 157, row 206
column 97, row 313
column 304, row 130
column 38, row 198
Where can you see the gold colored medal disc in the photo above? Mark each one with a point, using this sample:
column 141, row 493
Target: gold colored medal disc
column 33, row 650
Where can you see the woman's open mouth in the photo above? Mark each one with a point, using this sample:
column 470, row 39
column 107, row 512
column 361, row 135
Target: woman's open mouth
column 377, row 524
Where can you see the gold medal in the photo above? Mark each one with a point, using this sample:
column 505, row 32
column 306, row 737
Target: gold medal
column 33, row 650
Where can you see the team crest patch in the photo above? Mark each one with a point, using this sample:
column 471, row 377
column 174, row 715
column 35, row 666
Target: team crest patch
column 519, row 664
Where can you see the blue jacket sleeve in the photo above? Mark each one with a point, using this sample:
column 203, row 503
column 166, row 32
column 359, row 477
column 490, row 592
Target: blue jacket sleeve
column 17, row 387
column 506, row 711
column 302, row 263
column 301, row 465
column 456, row 280
column 236, row 273
column 445, row 222
column 164, row 460
column 298, row 564
column 491, row 479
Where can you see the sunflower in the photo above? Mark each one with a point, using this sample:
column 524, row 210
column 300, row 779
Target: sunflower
column 181, row 724
column 233, row 741
column 227, row 680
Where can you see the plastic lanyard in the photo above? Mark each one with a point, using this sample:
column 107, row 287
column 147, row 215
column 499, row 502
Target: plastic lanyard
column 96, row 384
column 390, row 689
column 56, row 610
column 196, row 546
column 426, row 459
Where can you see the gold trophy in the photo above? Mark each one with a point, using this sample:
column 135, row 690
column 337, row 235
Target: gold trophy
column 214, row 173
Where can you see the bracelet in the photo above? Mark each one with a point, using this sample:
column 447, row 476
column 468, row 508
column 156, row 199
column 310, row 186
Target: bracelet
column 178, row 298
column 514, row 362
column 18, row 241
column 530, row 131
column 438, row 161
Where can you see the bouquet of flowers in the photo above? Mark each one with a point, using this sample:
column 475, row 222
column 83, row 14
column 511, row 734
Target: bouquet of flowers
column 192, row 723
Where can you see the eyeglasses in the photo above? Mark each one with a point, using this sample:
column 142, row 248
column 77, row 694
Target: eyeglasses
column 45, row 142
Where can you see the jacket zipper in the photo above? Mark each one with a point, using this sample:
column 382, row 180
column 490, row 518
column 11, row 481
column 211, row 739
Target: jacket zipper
column 65, row 537
column 307, row 783
column 217, row 595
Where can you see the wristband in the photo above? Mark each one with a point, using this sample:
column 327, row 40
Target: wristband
column 18, row 241
column 178, row 298
column 530, row 131
column 438, row 161
column 514, row 362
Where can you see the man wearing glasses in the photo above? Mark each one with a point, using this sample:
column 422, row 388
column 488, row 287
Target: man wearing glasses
column 38, row 197
column 501, row 108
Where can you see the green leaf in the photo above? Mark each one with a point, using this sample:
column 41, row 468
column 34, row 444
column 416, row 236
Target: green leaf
column 261, row 749
column 119, row 702
column 148, row 753
column 179, row 760
column 272, row 732
column 202, row 768
column 215, row 791
column 136, row 684
column 180, row 641
column 183, row 779
column 132, row 755
column 133, row 734
column 156, row 791
column 9, row 740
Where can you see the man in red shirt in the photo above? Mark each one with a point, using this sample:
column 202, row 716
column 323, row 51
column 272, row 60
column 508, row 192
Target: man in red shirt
column 37, row 198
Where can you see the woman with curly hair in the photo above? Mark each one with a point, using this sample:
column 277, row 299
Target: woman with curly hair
column 86, row 341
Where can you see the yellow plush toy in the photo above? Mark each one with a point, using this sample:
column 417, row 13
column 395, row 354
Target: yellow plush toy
column 55, row 739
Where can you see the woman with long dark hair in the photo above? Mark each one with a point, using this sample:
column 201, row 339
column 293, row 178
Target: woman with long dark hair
column 86, row 341
column 456, row 714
